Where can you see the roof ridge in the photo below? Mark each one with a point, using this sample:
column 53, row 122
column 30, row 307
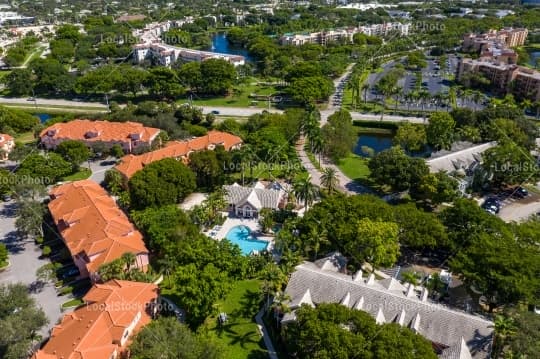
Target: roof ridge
column 415, row 299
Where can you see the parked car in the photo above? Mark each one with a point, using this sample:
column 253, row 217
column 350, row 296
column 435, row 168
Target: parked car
column 520, row 192
column 73, row 271
column 492, row 205
column 6, row 198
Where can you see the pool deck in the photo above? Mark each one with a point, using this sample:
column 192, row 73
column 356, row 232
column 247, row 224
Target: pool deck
column 252, row 224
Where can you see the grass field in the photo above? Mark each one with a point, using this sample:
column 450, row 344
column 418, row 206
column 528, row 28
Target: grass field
column 239, row 97
column 354, row 167
column 25, row 137
column 84, row 173
column 240, row 333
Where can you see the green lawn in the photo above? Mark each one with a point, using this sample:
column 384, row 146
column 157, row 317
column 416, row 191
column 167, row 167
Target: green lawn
column 72, row 303
column 240, row 334
column 84, row 173
column 239, row 97
column 354, row 167
column 25, row 137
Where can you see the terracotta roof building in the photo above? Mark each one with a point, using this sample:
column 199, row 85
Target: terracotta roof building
column 6, row 145
column 93, row 228
column 180, row 150
column 129, row 135
column 102, row 327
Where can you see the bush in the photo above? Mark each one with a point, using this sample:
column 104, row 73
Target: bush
column 3, row 255
column 65, row 290
column 46, row 251
column 39, row 240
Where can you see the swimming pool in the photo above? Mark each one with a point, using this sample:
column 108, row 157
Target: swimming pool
column 241, row 236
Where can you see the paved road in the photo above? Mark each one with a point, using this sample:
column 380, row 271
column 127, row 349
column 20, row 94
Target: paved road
column 340, row 83
column 24, row 259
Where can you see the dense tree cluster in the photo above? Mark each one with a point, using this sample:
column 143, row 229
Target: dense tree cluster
column 167, row 181
column 166, row 338
column 20, row 320
column 335, row 331
column 198, row 269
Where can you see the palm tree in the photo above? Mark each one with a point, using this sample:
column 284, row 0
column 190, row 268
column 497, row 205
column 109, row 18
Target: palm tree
column 128, row 259
column 304, row 190
column 452, row 97
column 249, row 157
column 365, row 88
column 354, row 85
column 317, row 144
column 423, row 96
column 166, row 265
column 329, row 179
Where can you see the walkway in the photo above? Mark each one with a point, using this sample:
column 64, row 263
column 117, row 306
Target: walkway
column 266, row 337
column 346, row 185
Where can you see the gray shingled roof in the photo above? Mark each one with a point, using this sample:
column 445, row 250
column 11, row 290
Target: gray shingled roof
column 386, row 301
column 256, row 197
column 460, row 159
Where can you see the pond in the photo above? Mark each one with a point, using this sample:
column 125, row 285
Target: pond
column 43, row 117
column 221, row 45
column 534, row 56
column 376, row 141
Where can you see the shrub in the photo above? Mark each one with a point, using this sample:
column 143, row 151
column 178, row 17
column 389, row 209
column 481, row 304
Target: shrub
column 46, row 251
column 65, row 290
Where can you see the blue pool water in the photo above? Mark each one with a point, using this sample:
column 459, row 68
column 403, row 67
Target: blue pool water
column 241, row 236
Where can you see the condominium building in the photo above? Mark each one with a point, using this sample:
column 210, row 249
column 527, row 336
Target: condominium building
column 345, row 34
column 179, row 150
column 505, row 78
column 129, row 135
column 166, row 55
column 102, row 327
column 6, row 145
column 508, row 37
column 152, row 47
column 94, row 229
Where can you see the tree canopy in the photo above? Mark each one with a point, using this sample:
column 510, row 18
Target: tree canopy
column 160, row 183
column 20, row 321
column 334, row 331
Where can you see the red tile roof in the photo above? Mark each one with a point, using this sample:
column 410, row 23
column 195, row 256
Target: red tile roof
column 96, row 330
column 105, row 131
column 91, row 223
column 131, row 164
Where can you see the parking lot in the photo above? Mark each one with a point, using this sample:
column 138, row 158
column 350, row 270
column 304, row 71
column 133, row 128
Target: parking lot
column 434, row 79
column 515, row 209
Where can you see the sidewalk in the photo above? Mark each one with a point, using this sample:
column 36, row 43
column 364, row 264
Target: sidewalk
column 266, row 337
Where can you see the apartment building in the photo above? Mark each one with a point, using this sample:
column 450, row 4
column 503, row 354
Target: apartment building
column 179, row 150
column 129, row 135
column 507, row 37
column 6, row 145
column 346, row 34
column 102, row 327
column 166, row 55
column 94, row 229
column 505, row 78
column 152, row 47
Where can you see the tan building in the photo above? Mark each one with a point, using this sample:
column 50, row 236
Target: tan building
column 6, row 145
column 505, row 78
column 526, row 83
